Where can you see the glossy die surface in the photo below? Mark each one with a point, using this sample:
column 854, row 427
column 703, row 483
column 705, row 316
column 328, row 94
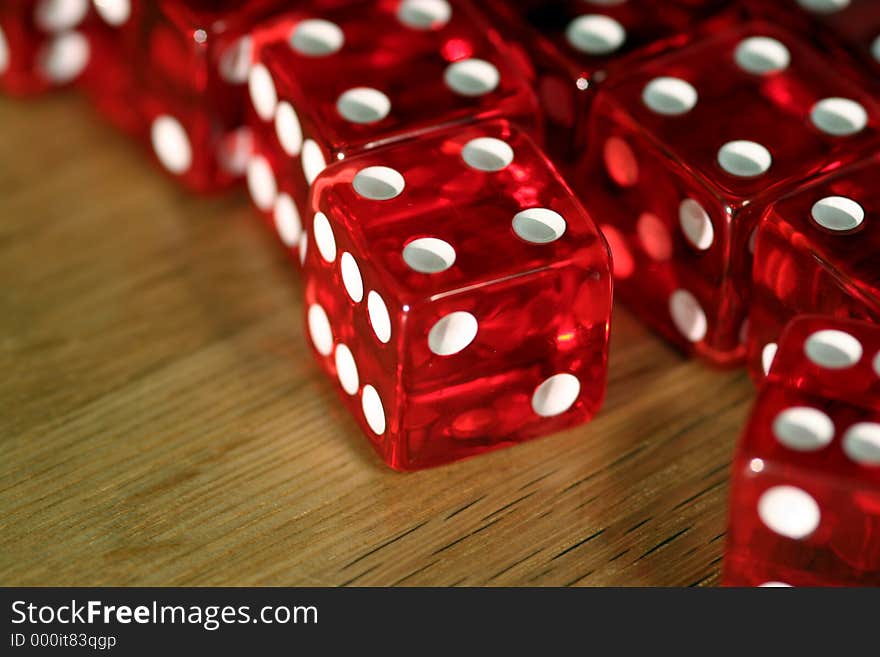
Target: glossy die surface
column 569, row 47
column 816, row 252
column 848, row 30
column 458, row 293
column 175, row 73
column 332, row 82
column 43, row 44
column 686, row 155
column 805, row 498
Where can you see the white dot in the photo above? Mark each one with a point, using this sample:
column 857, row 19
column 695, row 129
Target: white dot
column 803, row 429
column 594, row 34
column 374, row 412
column 696, row 224
column 171, row 144
column 303, row 248
column 761, row 55
column 834, row 350
column 324, row 238
column 114, row 12
column 262, row 90
column 768, row 354
column 840, row 117
column 472, row 77
column 487, row 154
column 60, row 15
column 424, row 14
column 235, row 62
column 64, row 57
column 287, row 220
column 379, row 183
column 363, row 105
column 539, row 225
column 313, row 162
column 379, row 317
column 346, row 370
column 4, row 52
column 429, row 255
column 877, row 364
column 789, row 511
column 351, row 277
column 688, row 315
column 452, row 333
column 261, row 183
column 556, row 395
column 775, row 585
column 317, row 38
column 875, row 48
column 838, row 213
column 669, row 96
column 319, row 330
column 824, row 6
column 288, row 129
column 861, row 442
column 745, row 159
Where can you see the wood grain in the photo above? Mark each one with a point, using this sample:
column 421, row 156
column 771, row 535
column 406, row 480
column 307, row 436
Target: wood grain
column 162, row 423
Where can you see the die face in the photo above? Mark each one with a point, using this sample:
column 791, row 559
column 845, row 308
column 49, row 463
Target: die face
column 806, row 491
column 778, row 131
column 460, row 327
column 43, row 44
column 815, row 253
column 681, row 210
column 332, row 82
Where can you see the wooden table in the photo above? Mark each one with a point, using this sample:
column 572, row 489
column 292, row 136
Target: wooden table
column 162, row 422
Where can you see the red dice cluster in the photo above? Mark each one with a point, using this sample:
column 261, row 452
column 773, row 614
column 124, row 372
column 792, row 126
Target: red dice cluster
column 461, row 184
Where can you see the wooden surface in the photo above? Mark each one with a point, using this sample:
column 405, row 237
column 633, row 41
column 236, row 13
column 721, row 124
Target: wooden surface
column 162, row 423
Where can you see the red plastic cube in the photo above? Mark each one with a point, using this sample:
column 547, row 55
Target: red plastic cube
column 458, row 293
column 805, row 497
column 689, row 150
column 174, row 73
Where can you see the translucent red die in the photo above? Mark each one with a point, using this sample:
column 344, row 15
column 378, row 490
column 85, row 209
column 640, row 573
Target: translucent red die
column 805, row 496
column 570, row 47
column 458, row 293
column 331, row 82
column 687, row 153
column 43, row 44
column 816, row 252
column 174, row 73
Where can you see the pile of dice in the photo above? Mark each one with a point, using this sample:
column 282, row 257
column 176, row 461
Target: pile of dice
column 452, row 179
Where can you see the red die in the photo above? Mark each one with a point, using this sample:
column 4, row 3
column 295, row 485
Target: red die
column 686, row 154
column 459, row 292
column 816, row 252
column 174, row 72
column 571, row 46
column 805, row 498
column 42, row 43
column 332, row 82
